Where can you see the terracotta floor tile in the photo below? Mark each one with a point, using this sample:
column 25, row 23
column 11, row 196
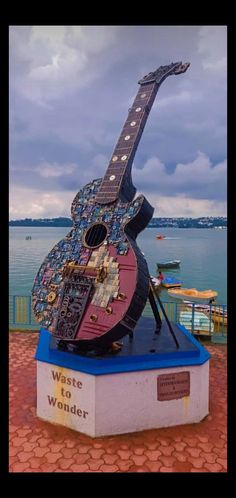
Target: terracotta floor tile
column 198, row 470
column 181, row 456
column 109, row 459
column 166, row 450
column 40, row 452
column 223, row 462
column 75, row 467
column 124, row 465
column 166, row 469
column 167, row 461
column 213, row 467
column 197, row 462
column 194, row 452
column 124, row 454
column 139, row 460
column 153, row 455
column 48, row 467
column 97, row 446
column 24, row 456
column 109, row 468
column 68, row 452
column 206, row 447
column 182, row 467
column 139, row 451
column 81, row 458
column 152, row 446
column 53, row 457
column 154, row 466
column 55, row 448
column 24, row 432
column 84, row 448
column 19, row 466
column 208, row 457
column 96, row 453
column 221, row 452
column 13, row 451
column 18, row 441
column 94, row 463
column 180, row 446
column 65, row 463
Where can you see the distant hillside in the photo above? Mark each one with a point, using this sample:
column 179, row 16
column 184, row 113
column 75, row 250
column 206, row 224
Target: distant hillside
column 203, row 222
column 42, row 222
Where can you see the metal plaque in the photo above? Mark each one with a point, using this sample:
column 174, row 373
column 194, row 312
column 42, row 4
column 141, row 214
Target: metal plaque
column 173, row 386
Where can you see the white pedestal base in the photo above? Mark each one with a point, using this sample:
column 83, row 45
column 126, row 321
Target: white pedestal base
column 102, row 405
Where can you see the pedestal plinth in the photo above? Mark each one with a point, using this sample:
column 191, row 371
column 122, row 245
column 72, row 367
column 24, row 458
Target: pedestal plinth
column 148, row 384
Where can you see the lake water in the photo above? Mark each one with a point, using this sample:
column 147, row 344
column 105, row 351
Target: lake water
column 203, row 255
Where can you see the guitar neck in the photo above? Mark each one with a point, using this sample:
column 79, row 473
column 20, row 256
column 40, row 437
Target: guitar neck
column 117, row 180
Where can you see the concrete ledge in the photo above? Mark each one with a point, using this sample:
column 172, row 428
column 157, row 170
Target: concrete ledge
column 134, row 356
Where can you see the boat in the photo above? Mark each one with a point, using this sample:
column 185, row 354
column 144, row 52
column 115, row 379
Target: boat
column 193, row 295
column 218, row 314
column 197, row 323
column 174, row 263
column 28, row 237
column 170, row 282
column 160, row 237
column 219, row 318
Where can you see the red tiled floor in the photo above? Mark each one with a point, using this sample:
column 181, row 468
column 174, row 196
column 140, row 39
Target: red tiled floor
column 37, row 446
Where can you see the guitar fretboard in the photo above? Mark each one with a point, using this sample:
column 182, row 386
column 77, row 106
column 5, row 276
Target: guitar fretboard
column 119, row 168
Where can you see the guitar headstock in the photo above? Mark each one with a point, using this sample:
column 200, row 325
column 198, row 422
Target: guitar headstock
column 163, row 71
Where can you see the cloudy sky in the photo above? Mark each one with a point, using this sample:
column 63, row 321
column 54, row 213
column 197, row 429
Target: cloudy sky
column 70, row 90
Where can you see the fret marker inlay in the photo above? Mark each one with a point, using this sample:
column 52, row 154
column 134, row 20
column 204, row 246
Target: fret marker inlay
column 123, row 158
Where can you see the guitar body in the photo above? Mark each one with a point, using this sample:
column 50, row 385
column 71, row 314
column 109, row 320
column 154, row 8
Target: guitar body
column 108, row 310
column 92, row 287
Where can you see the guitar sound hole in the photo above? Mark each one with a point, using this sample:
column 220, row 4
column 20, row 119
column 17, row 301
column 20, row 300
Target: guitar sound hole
column 95, row 235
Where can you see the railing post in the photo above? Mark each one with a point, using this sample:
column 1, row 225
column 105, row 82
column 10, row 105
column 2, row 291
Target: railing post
column 193, row 311
column 223, row 321
column 29, row 309
column 14, row 310
column 211, row 321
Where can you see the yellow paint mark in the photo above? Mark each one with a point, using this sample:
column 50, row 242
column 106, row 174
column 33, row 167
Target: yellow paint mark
column 61, row 415
column 21, row 309
column 186, row 400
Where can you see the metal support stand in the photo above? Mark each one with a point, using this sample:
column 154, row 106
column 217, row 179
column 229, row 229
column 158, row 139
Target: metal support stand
column 156, row 312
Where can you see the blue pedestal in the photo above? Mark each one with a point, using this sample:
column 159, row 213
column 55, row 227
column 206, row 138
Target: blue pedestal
column 147, row 350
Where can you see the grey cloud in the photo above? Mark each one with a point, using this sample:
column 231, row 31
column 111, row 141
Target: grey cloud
column 70, row 89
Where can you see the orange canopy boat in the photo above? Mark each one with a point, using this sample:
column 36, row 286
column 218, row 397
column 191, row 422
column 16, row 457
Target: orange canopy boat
column 193, row 295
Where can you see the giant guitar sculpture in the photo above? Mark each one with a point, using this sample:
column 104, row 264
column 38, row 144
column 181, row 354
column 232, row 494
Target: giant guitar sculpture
column 92, row 287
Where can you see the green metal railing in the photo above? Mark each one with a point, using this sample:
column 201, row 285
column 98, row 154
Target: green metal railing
column 210, row 321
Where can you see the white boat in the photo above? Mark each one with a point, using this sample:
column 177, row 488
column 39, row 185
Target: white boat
column 218, row 314
column 197, row 322
column 174, row 263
